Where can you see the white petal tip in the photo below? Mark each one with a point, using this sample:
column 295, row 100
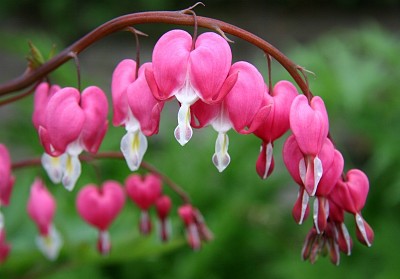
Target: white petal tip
column 50, row 245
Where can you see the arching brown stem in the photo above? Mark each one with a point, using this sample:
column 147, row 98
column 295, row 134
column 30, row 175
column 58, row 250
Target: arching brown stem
column 120, row 23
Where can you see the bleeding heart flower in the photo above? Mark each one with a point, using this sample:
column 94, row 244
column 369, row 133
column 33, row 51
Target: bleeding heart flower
column 99, row 207
column 163, row 207
column 310, row 126
column 136, row 108
column 350, row 194
column 4, row 246
column 43, row 92
column 190, row 72
column 41, row 209
column 73, row 123
column 336, row 214
column 321, row 244
column 241, row 108
column 6, row 178
column 275, row 125
column 144, row 192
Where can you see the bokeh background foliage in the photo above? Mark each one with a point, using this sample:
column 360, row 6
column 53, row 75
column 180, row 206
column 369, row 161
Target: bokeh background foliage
column 357, row 70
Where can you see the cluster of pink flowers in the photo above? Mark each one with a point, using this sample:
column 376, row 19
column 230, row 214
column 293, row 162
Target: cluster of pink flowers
column 317, row 167
column 199, row 74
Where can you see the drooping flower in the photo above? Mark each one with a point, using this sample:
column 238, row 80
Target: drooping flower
column 135, row 108
column 99, row 206
column 309, row 124
column 52, row 164
column 336, row 215
column 350, row 194
column 275, row 125
column 73, row 122
column 331, row 161
column 190, row 72
column 317, row 245
column 329, row 179
column 6, row 178
column 195, row 226
column 163, row 207
column 241, row 108
column 144, row 192
column 4, row 246
column 41, row 209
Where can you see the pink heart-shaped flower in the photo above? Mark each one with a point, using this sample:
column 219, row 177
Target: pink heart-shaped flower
column 309, row 123
column 144, row 191
column 277, row 122
column 64, row 119
column 95, row 108
column 41, row 207
column 100, row 206
column 144, row 107
column 43, row 92
column 351, row 193
column 123, row 75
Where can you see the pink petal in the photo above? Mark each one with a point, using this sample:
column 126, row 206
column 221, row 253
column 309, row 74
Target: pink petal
column 43, row 93
column 100, row 206
column 144, row 191
column 277, row 122
column 144, row 107
column 64, row 118
column 320, row 214
column 6, row 178
column 265, row 162
column 210, row 63
column 203, row 114
column 170, row 62
column 95, row 107
column 364, row 232
column 309, row 123
column 343, row 238
column 291, row 157
column 41, row 206
column 163, row 206
column 4, row 246
column 351, row 193
column 124, row 74
column 244, row 101
column 331, row 174
column 301, row 208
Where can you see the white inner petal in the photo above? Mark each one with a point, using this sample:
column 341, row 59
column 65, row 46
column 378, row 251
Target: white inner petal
column 50, row 245
column 303, row 170
column 133, row 147
column 268, row 156
column 317, row 173
column 53, row 166
column 183, row 132
column 315, row 214
column 131, row 123
column 187, row 94
column 1, row 221
column 105, row 242
column 222, row 122
column 346, row 237
column 304, row 203
column 221, row 158
column 361, row 227
column 71, row 169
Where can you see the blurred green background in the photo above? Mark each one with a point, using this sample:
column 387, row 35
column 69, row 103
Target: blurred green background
column 352, row 47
